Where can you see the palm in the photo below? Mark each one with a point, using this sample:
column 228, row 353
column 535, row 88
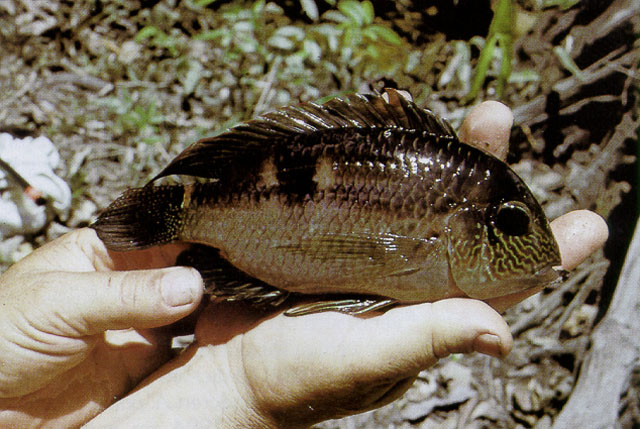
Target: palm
column 331, row 361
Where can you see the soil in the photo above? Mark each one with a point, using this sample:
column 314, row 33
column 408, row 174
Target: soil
column 121, row 87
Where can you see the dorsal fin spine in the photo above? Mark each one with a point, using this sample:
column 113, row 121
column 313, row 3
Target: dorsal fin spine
column 248, row 142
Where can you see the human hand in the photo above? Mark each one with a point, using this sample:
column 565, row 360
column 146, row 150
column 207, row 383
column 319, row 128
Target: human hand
column 249, row 369
column 59, row 364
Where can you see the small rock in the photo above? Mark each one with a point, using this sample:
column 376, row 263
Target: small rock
column 129, row 52
column 580, row 320
column 527, row 397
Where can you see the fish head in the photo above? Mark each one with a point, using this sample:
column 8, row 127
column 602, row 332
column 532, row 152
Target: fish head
column 501, row 246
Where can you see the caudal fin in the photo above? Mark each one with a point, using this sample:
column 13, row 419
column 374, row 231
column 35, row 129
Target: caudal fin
column 142, row 217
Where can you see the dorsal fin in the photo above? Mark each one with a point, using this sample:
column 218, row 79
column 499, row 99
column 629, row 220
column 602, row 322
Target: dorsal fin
column 215, row 157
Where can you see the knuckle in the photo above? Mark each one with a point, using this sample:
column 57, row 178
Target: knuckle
column 127, row 289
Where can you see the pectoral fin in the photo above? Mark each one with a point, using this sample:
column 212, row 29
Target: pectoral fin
column 365, row 255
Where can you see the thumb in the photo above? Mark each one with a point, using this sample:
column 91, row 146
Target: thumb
column 434, row 330
column 463, row 326
column 93, row 302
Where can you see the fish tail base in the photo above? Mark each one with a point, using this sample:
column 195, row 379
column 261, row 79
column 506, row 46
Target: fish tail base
column 141, row 218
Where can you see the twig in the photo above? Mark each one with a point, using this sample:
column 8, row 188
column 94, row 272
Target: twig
column 578, row 300
column 550, row 303
column 268, row 84
column 29, row 191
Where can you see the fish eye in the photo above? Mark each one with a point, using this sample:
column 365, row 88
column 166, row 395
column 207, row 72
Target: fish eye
column 513, row 218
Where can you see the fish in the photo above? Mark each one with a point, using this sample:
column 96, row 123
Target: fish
column 356, row 205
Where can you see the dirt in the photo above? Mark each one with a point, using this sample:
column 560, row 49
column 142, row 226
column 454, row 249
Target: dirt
column 118, row 106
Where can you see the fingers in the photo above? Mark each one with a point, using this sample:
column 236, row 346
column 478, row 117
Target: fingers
column 579, row 233
column 340, row 362
column 395, row 344
column 59, row 282
column 155, row 257
column 488, row 126
column 422, row 334
column 94, row 302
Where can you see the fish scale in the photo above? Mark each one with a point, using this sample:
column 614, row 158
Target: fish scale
column 369, row 197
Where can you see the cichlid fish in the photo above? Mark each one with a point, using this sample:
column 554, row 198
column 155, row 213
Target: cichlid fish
column 364, row 200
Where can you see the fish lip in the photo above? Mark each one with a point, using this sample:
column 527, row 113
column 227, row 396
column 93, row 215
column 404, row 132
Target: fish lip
column 551, row 274
column 562, row 275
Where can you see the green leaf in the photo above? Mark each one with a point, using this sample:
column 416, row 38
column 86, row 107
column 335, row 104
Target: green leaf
column 211, row 34
column 386, row 34
column 371, row 35
column 312, row 49
column 486, row 56
column 354, row 11
column 350, row 37
column 373, row 52
column 258, row 7
column 291, row 31
column 192, row 77
column 204, row 3
column 503, row 18
column 367, row 12
column 335, row 16
column 147, row 32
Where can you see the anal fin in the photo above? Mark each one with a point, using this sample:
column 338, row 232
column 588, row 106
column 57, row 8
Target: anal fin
column 225, row 281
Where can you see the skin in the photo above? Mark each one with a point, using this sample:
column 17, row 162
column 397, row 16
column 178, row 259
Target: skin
column 81, row 327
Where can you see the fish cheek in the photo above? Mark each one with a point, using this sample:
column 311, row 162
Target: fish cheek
column 485, row 263
column 467, row 236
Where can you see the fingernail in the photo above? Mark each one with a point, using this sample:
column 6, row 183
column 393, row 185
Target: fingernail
column 178, row 287
column 489, row 344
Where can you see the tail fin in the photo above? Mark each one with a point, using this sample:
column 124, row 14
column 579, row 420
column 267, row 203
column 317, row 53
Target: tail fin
column 141, row 218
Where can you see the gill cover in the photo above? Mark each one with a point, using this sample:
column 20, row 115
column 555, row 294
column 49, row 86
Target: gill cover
column 499, row 253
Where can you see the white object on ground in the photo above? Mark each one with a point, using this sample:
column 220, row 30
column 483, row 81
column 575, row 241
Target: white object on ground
column 34, row 159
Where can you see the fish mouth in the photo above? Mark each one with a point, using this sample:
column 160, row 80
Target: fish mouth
column 561, row 276
column 550, row 274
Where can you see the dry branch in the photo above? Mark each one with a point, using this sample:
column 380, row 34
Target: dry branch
column 614, row 353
